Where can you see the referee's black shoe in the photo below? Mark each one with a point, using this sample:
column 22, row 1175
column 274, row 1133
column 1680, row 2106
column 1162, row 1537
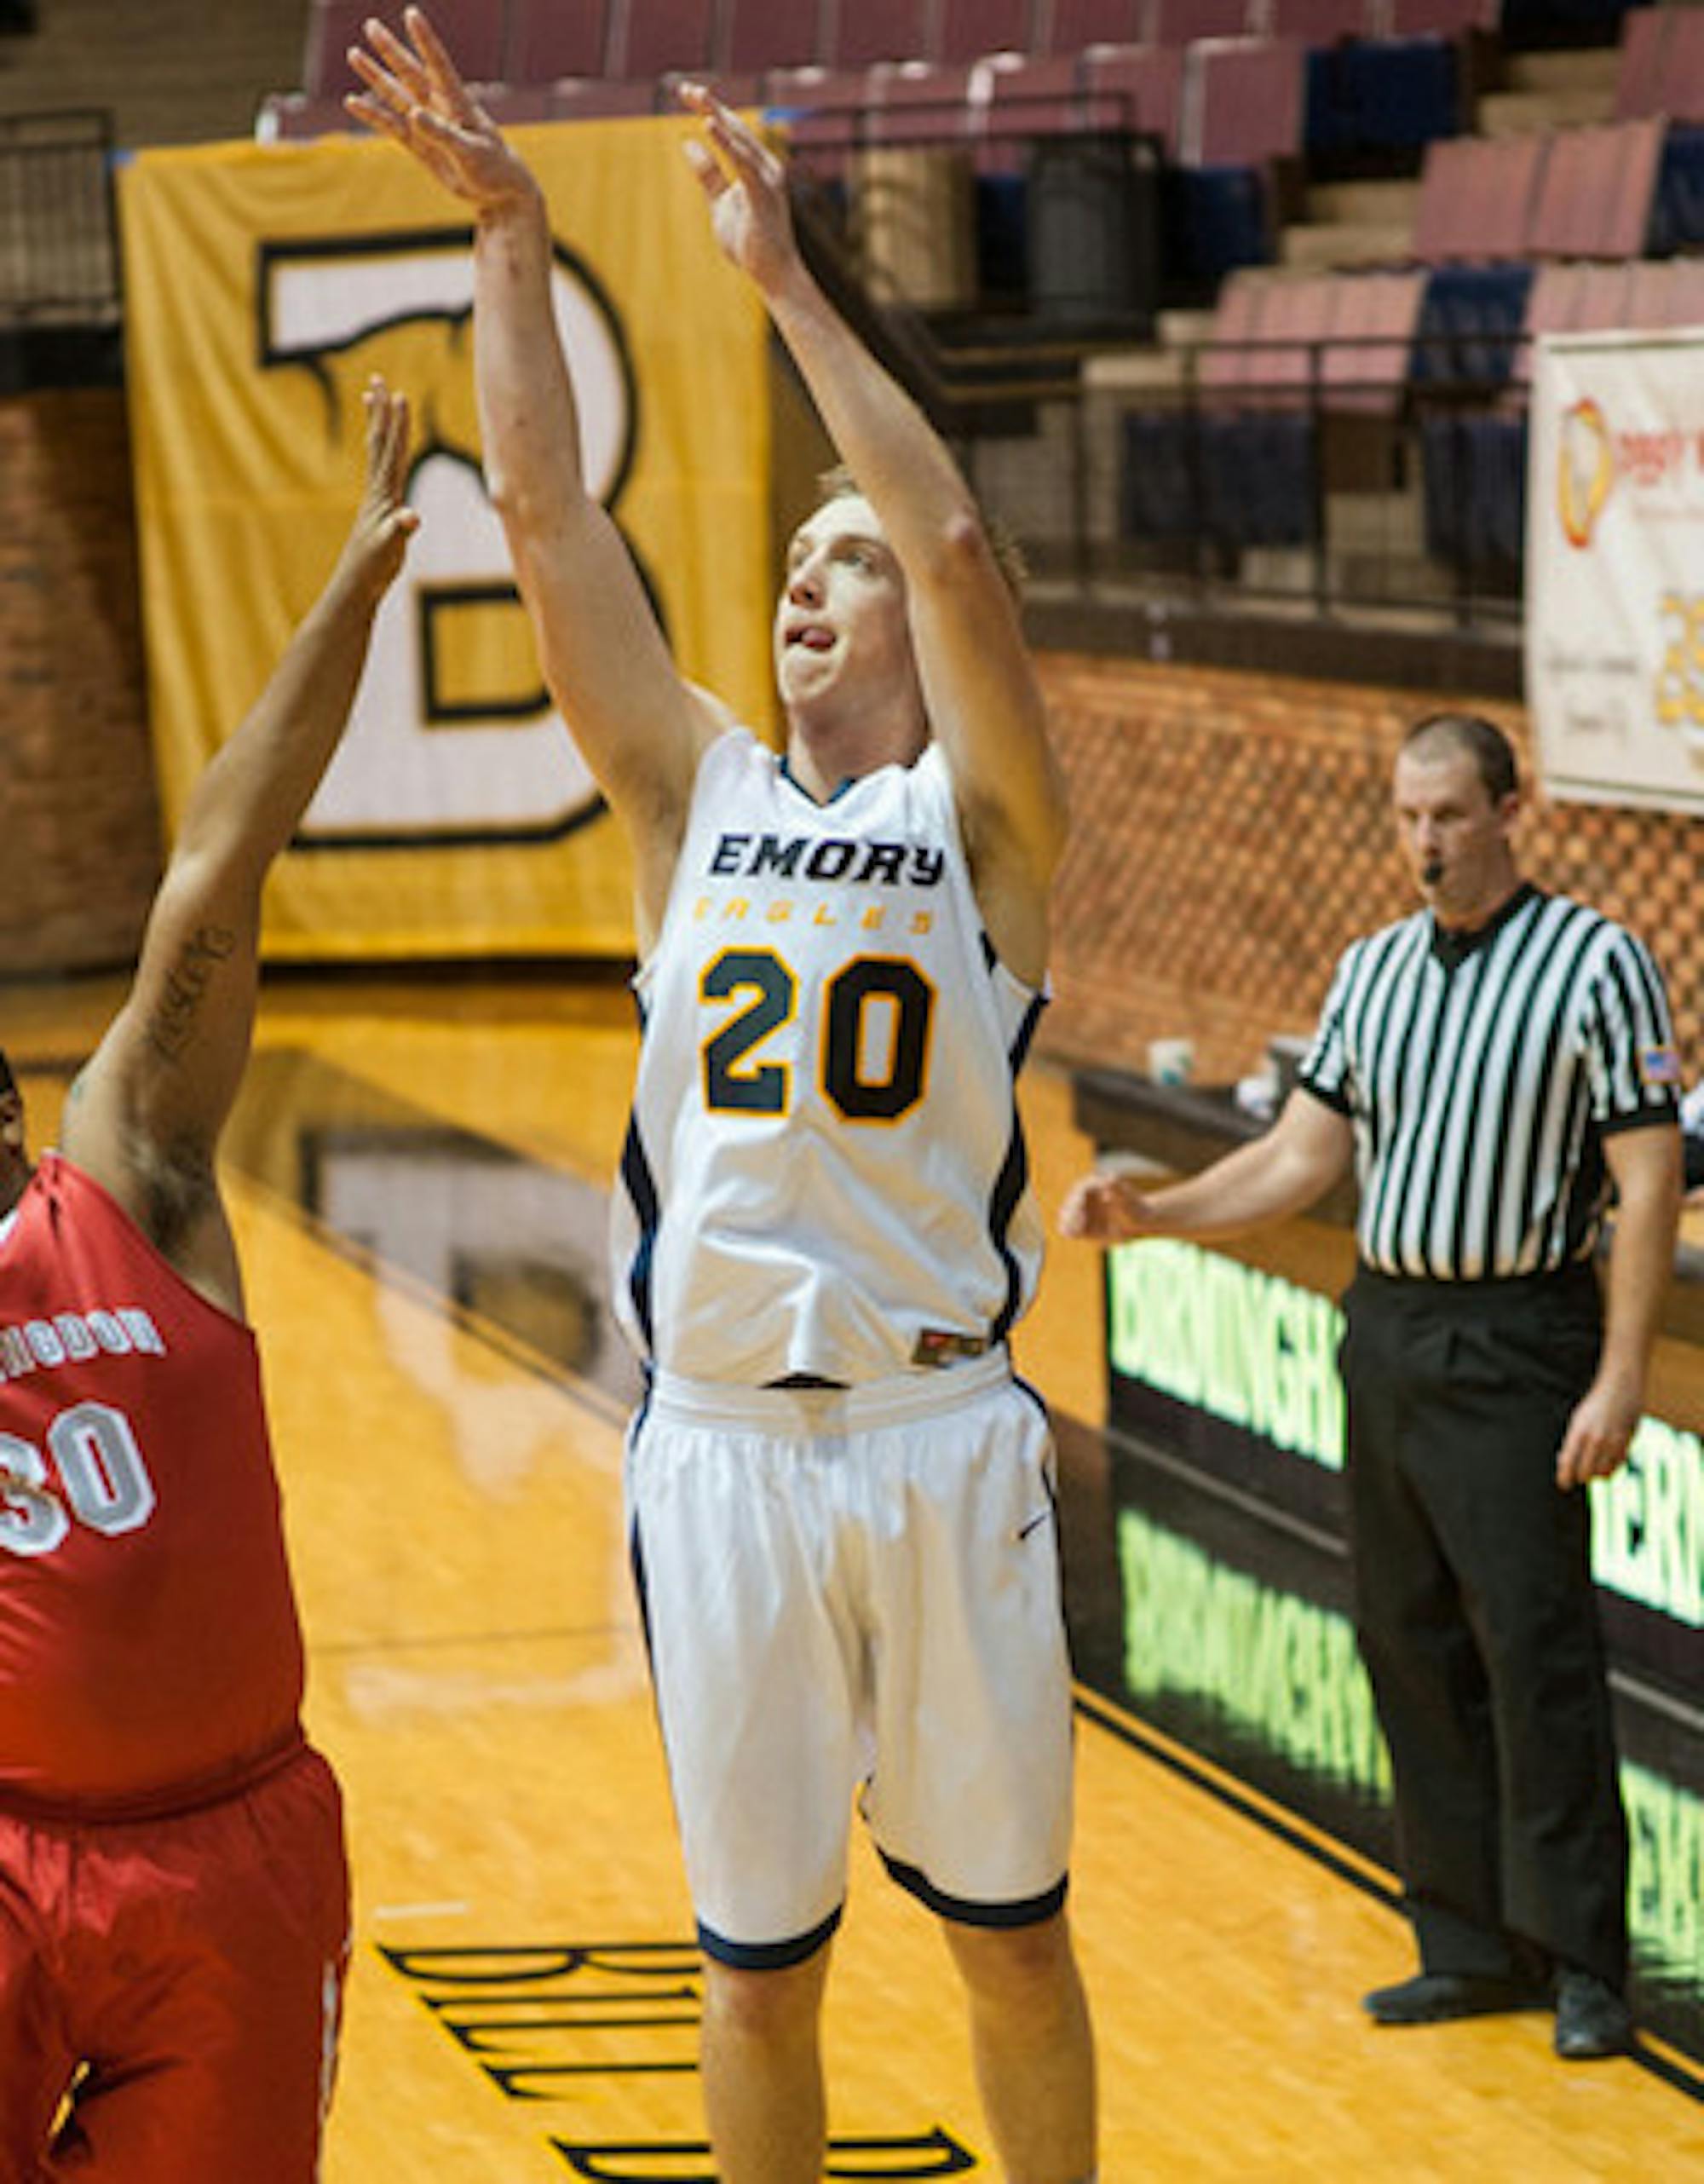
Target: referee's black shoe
column 1437, row 1998
column 1592, row 2019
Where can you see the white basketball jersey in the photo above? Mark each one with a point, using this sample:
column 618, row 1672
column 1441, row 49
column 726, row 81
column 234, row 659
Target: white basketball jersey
column 825, row 1172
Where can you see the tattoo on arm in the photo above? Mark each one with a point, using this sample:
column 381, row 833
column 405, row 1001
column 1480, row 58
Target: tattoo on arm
column 172, row 1025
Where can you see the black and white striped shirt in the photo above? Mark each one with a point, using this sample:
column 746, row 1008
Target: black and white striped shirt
column 1482, row 1075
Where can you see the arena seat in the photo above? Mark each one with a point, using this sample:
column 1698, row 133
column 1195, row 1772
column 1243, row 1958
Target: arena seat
column 1372, row 324
column 1297, row 323
column 1446, row 19
column 747, row 89
column 1471, row 323
column 547, row 40
column 822, row 110
column 1678, row 214
column 964, row 30
column 333, row 26
column 870, row 30
column 649, row 37
column 1243, row 462
column 474, row 31
column 1477, row 197
column 1226, row 363
column 1661, row 70
column 1669, row 293
column 1068, row 26
column 1026, row 96
column 1246, row 96
column 1181, row 22
column 291, row 116
column 1639, row 85
column 513, row 105
column 1135, row 87
column 1596, row 194
column 1214, row 219
column 1320, row 22
column 1161, row 469
column 761, row 35
column 917, row 102
column 1381, row 95
column 602, row 98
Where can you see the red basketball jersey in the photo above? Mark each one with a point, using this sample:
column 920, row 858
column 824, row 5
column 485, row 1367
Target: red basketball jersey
column 150, row 1652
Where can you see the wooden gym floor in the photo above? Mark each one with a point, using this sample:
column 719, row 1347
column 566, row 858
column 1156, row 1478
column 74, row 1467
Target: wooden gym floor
column 418, row 1176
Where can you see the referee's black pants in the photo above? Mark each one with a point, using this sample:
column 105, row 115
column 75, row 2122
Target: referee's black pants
column 1478, row 1618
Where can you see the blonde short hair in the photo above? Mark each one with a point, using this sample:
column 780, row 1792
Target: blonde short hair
column 839, row 484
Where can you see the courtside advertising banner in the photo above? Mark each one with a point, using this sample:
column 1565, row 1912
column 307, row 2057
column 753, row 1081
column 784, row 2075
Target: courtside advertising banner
column 266, row 283
column 1614, row 609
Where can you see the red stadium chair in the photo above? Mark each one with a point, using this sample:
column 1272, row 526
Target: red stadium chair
column 865, row 32
column 1477, row 196
column 549, row 40
column 745, row 89
column 513, row 105
column 823, row 110
column 1439, row 18
column 472, row 30
column 1181, row 22
column 918, row 103
column 333, row 26
column 1321, row 22
column 1251, row 101
column 1137, row 88
column 1224, row 365
column 764, row 34
column 601, row 98
column 1662, row 65
column 1027, row 96
column 967, row 29
column 1299, row 311
column 652, row 36
column 1067, row 27
column 1372, row 328
column 290, row 116
column 1594, row 199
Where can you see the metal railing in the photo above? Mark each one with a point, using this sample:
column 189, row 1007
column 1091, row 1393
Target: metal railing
column 1398, row 489
column 59, row 241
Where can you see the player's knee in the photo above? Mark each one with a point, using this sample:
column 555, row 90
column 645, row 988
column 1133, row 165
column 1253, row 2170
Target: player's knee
column 1025, row 1967
column 765, row 2006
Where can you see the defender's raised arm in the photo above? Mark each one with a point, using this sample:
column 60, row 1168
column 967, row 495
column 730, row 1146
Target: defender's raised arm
column 145, row 1117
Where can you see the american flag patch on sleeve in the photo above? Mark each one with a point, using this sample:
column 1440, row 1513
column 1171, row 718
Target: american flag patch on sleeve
column 1659, row 1065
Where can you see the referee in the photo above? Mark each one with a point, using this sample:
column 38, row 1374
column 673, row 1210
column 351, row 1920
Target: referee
column 1492, row 1064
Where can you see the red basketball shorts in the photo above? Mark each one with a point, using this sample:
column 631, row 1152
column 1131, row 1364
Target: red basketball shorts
column 181, row 1980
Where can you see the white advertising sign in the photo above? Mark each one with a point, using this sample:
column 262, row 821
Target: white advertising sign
column 1614, row 608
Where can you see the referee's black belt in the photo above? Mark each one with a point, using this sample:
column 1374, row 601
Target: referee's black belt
column 1574, row 1274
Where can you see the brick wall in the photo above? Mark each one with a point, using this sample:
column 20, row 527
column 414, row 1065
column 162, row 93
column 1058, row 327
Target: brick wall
column 1231, row 833
column 77, row 816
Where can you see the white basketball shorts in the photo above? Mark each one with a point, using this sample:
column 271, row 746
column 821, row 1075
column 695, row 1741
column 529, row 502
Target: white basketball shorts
column 847, row 1587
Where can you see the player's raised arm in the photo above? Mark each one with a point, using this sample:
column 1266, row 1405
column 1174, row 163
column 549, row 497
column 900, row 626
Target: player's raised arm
column 145, row 1115
column 980, row 689
column 639, row 725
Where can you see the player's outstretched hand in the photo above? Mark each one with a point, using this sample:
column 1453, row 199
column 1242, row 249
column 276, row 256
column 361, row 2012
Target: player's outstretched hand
column 384, row 522
column 1104, row 1209
column 745, row 184
column 415, row 95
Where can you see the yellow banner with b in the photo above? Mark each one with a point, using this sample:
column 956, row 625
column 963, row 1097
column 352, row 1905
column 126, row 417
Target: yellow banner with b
column 265, row 284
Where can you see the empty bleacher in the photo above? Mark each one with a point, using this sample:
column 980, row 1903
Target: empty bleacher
column 1381, row 204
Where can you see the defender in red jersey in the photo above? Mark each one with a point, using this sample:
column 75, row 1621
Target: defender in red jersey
column 173, row 1898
